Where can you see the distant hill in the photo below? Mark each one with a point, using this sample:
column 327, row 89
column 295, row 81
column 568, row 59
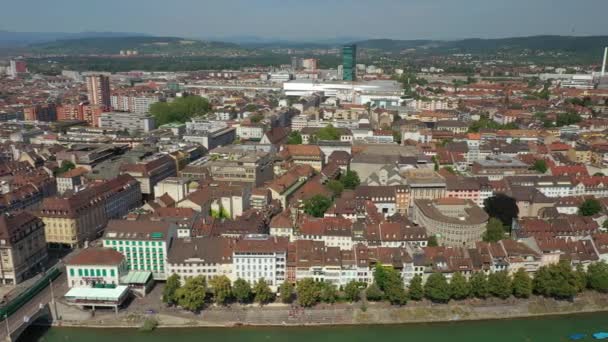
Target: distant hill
column 584, row 45
column 142, row 44
column 21, row 39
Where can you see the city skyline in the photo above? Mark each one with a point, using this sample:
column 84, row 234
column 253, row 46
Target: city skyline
column 314, row 20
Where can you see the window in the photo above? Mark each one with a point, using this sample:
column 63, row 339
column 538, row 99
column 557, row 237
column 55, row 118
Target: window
column 86, row 272
column 71, row 272
column 112, row 273
column 104, row 272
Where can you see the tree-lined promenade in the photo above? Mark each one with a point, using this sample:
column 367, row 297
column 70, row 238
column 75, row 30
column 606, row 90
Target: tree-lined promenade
column 558, row 281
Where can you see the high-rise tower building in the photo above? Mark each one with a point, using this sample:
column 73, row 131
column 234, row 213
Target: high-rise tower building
column 98, row 89
column 349, row 62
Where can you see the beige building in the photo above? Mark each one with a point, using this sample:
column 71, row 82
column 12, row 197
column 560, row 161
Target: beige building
column 72, row 220
column 22, row 247
column 424, row 184
column 454, row 222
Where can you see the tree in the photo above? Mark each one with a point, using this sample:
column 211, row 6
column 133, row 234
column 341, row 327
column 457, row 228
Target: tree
column 397, row 136
column 597, row 275
column 502, row 207
column 605, row 224
column 192, row 295
column 222, row 289
column 522, row 284
column 327, row 292
column 479, row 285
column 181, row 109
column 317, row 205
column 395, row 293
column 373, row 293
column 494, row 231
column 335, row 186
column 590, row 207
column 241, row 290
column 66, row 166
column 350, row 180
column 352, row 291
column 328, row 132
column 262, row 292
column 459, row 287
column 557, row 281
column 437, row 288
column 286, row 291
column 581, row 278
column 294, row 138
column 540, row 165
column 416, row 291
column 432, row 241
column 171, row 286
column 499, row 284
column 307, row 292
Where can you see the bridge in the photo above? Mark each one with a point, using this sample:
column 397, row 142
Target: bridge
column 40, row 306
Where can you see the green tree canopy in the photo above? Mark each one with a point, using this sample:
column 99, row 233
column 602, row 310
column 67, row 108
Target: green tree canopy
column 437, row 288
column 328, row 132
column 590, row 207
column 499, row 284
column 171, row 287
column 327, row 292
column 262, row 292
column 416, row 291
column 241, row 290
column 181, row 109
column 222, row 289
column 494, row 231
column 502, row 207
column 352, row 291
column 295, row 138
column 66, row 166
column 192, row 295
column 335, row 186
column 540, row 165
column 307, row 292
column 373, row 293
column 350, row 180
column 432, row 241
column 597, row 275
column 522, row 284
column 459, row 287
column 557, row 281
column 479, row 285
column 317, row 205
column 286, row 291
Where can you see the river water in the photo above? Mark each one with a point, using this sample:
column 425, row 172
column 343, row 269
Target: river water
column 548, row 329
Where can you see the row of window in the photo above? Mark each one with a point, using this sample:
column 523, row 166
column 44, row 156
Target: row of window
column 93, row 272
column 132, row 243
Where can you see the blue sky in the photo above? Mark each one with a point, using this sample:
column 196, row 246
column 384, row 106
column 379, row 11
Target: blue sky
column 311, row 19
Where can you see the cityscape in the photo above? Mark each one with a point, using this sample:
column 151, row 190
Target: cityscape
column 254, row 188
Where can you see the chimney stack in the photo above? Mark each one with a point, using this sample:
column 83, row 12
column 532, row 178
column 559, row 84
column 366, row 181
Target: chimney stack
column 604, row 63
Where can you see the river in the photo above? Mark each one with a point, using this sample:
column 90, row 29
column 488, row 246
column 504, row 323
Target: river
column 547, row 329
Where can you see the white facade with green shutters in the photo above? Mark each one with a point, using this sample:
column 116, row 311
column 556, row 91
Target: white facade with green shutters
column 95, row 275
column 142, row 255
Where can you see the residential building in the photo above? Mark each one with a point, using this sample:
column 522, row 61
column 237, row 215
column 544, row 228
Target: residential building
column 261, row 256
column 150, row 171
column 22, row 247
column 126, row 121
column 98, row 90
column 207, row 257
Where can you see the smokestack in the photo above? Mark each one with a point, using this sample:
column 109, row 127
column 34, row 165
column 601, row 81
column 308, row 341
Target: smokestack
column 604, row 63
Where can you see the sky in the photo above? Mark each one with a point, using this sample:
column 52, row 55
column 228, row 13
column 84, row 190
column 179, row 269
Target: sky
column 311, row 19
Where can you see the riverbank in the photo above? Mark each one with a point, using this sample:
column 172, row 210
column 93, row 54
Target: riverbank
column 340, row 314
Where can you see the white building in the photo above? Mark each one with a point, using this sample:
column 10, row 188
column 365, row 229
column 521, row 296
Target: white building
column 261, row 256
column 95, row 267
column 131, row 122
